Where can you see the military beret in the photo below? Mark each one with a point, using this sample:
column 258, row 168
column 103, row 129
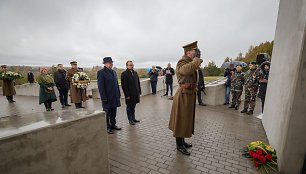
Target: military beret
column 73, row 62
column 3, row 66
column 191, row 46
column 107, row 60
column 253, row 63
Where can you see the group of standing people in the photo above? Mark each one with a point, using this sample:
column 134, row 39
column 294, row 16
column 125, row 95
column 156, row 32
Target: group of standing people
column 253, row 82
column 62, row 79
column 110, row 92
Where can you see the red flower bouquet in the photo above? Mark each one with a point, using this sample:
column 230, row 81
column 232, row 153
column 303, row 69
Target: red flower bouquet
column 263, row 155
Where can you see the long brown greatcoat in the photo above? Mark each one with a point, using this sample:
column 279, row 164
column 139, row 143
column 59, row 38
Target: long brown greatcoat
column 77, row 95
column 183, row 108
column 8, row 88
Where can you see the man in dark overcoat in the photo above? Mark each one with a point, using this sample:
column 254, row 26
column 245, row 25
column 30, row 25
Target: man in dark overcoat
column 132, row 91
column 169, row 73
column 109, row 93
column 62, row 84
column 30, row 77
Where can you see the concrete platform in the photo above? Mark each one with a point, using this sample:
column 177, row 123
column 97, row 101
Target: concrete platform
column 54, row 142
column 148, row 147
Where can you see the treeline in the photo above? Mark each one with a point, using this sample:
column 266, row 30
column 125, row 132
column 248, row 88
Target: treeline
column 251, row 54
column 211, row 69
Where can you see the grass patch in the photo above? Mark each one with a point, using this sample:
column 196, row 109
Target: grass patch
column 210, row 78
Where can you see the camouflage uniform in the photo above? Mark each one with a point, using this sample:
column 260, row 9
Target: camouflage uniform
column 237, row 81
column 251, row 87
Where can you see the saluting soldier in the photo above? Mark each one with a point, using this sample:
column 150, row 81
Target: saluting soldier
column 183, row 108
column 77, row 95
column 251, row 88
column 8, row 86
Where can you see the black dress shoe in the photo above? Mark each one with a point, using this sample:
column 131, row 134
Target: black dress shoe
column 250, row 112
column 109, row 131
column 187, row 145
column 231, row 106
column 202, row 104
column 183, row 150
column 165, row 94
column 116, row 128
column 131, row 123
column 244, row 111
column 136, row 121
column 82, row 107
column 67, row 105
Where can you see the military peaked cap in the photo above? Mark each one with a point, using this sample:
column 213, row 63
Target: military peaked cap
column 191, row 46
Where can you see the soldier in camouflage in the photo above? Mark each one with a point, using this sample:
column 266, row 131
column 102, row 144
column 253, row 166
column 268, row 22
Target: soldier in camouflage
column 251, row 87
column 237, row 81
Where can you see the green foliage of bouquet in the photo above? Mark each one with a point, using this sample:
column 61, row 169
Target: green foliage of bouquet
column 263, row 155
column 9, row 75
column 81, row 80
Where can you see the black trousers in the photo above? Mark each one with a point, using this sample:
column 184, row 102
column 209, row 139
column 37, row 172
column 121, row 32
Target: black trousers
column 130, row 111
column 63, row 95
column 262, row 104
column 110, row 117
column 199, row 94
column 179, row 141
column 169, row 85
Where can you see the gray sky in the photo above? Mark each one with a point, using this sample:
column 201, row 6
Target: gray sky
column 149, row 32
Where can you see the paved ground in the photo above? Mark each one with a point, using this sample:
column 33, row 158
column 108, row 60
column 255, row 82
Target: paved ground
column 149, row 147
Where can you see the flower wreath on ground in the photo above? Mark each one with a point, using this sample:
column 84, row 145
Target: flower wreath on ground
column 263, row 155
column 81, row 80
column 9, row 75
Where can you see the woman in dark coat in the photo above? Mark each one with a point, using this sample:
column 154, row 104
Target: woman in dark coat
column 263, row 82
column 46, row 90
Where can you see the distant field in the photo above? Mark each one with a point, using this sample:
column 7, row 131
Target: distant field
column 209, row 78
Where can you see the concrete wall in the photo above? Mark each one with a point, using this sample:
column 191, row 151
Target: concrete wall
column 284, row 117
column 145, row 86
column 54, row 142
column 215, row 91
column 32, row 89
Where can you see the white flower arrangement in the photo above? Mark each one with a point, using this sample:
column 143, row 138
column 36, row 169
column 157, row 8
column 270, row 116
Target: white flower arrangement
column 9, row 75
column 81, row 80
